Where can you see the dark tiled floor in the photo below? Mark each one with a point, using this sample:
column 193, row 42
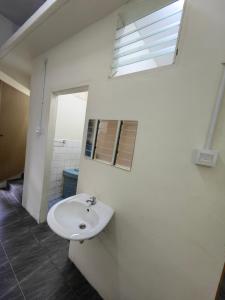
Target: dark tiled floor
column 221, row 290
column 33, row 260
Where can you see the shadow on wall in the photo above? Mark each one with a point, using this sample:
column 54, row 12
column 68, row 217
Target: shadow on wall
column 98, row 263
column 85, row 255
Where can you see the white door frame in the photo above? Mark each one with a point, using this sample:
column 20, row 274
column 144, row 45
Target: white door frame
column 49, row 144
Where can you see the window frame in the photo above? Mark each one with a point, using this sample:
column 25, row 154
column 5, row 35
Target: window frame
column 94, row 138
column 158, row 68
column 116, row 144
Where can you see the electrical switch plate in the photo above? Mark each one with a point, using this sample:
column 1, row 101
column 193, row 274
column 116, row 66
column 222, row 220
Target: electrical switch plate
column 205, row 157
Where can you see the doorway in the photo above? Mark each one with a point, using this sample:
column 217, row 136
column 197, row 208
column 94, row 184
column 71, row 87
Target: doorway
column 66, row 145
column 14, row 113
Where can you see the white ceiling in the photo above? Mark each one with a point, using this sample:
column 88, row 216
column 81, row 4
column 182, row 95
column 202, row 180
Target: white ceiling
column 18, row 11
column 69, row 17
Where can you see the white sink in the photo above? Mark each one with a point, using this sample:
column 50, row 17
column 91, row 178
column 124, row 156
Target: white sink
column 78, row 220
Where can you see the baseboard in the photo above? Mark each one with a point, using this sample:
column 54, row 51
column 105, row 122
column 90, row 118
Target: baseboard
column 18, row 176
column 4, row 183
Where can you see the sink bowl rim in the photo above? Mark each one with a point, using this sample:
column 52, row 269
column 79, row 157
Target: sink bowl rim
column 85, row 234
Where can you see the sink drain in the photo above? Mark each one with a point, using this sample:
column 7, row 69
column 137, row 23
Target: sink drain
column 82, row 226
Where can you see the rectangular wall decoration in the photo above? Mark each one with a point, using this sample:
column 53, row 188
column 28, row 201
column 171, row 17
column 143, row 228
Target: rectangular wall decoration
column 112, row 142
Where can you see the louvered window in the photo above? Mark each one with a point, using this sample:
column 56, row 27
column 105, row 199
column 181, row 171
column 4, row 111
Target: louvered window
column 106, row 140
column 125, row 150
column 111, row 142
column 149, row 42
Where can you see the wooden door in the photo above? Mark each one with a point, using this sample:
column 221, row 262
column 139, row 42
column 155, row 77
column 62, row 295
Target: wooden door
column 13, row 130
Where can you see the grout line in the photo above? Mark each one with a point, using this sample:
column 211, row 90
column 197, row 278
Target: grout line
column 13, row 270
column 35, row 270
column 34, row 236
column 15, row 197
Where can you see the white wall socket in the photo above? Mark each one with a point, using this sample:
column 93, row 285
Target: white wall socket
column 203, row 157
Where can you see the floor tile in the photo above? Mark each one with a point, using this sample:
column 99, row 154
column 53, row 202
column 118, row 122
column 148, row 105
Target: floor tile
column 8, row 231
column 86, row 291
column 27, row 219
column 64, row 293
column 28, row 261
column 222, row 291
column 8, row 215
column 42, row 232
column 18, row 244
column 57, row 249
column 13, row 294
column 15, row 188
column 44, row 283
column 78, row 283
column 6, row 204
column 36, row 266
column 73, row 276
column 8, row 280
column 3, row 257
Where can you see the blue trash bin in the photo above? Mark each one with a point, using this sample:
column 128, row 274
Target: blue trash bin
column 70, row 177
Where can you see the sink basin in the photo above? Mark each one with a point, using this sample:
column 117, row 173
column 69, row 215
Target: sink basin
column 75, row 219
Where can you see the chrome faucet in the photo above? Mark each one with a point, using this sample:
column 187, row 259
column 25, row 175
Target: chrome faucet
column 92, row 200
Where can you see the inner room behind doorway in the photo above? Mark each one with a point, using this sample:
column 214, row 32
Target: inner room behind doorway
column 67, row 144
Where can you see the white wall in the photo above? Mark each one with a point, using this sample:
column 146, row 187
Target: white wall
column 7, row 29
column 69, row 128
column 71, row 116
column 166, row 240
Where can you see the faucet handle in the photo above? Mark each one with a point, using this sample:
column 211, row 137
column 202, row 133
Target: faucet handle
column 92, row 200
